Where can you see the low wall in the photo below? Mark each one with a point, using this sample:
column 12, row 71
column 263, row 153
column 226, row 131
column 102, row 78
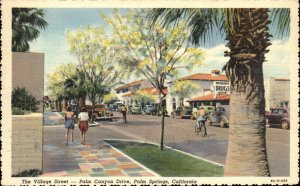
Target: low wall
column 27, row 139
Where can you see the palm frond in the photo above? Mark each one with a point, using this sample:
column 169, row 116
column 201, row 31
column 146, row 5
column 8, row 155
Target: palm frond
column 280, row 18
column 202, row 22
column 26, row 23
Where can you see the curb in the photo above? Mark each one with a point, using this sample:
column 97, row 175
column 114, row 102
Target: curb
column 212, row 162
column 141, row 165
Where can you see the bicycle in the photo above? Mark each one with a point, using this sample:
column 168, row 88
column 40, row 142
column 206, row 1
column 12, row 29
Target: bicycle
column 200, row 128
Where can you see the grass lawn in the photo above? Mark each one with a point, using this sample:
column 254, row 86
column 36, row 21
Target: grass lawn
column 169, row 163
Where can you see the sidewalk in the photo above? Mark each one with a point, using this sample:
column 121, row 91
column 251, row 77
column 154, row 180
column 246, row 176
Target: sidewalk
column 97, row 159
column 91, row 159
column 53, row 118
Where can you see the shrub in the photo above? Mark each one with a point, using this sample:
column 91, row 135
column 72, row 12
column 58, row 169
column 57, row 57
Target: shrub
column 23, row 100
column 18, row 111
column 28, row 173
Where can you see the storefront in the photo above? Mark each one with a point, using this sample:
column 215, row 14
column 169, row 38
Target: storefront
column 221, row 99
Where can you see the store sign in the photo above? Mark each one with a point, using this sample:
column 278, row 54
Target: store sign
column 221, row 87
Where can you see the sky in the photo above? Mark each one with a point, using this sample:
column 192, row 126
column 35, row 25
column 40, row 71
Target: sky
column 53, row 42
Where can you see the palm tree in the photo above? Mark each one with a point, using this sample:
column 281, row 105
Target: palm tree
column 25, row 24
column 76, row 83
column 248, row 36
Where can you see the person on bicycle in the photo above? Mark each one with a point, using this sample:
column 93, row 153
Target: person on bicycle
column 202, row 118
column 123, row 111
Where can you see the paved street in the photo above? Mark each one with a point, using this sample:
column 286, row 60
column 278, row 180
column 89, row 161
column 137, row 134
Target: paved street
column 179, row 133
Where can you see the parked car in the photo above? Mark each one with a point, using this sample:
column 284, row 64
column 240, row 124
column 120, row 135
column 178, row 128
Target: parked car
column 98, row 111
column 208, row 109
column 182, row 111
column 220, row 116
column 136, row 109
column 165, row 111
column 279, row 116
column 113, row 108
column 147, row 109
column 119, row 107
column 156, row 111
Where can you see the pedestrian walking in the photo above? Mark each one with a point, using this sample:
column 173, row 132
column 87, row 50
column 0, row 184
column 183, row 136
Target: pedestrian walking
column 69, row 124
column 124, row 111
column 83, row 118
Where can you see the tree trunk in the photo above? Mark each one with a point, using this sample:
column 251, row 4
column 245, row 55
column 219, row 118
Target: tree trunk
column 59, row 105
column 247, row 155
column 56, row 105
column 162, row 122
column 81, row 101
column 65, row 104
column 92, row 115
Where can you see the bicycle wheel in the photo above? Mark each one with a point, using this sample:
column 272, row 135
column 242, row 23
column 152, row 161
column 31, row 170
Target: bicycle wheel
column 202, row 130
column 197, row 130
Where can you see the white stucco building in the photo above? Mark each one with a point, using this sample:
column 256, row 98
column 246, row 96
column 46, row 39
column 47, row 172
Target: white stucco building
column 206, row 82
column 125, row 92
column 277, row 92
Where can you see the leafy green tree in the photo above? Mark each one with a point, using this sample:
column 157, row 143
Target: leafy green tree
column 57, row 82
column 248, row 37
column 184, row 88
column 157, row 54
column 22, row 99
column 98, row 61
column 26, row 23
column 110, row 98
column 75, row 85
column 144, row 96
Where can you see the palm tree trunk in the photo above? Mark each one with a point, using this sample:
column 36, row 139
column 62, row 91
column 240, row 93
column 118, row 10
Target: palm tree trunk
column 59, row 105
column 65, row 104
column 56, row 105
column 246, row 155
column 81, row 101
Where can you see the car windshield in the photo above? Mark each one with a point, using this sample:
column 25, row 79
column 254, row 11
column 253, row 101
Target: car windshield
column 187, row 108
column 274, row 111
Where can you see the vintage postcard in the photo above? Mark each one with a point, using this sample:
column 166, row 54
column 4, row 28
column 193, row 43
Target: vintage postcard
column 152, row 92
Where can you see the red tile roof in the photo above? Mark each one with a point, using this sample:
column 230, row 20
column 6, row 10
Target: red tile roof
column 130, row 84
column 149, row 90
column 207, row 77
column 129, row 94
column 165, row 91
column 210, row 97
